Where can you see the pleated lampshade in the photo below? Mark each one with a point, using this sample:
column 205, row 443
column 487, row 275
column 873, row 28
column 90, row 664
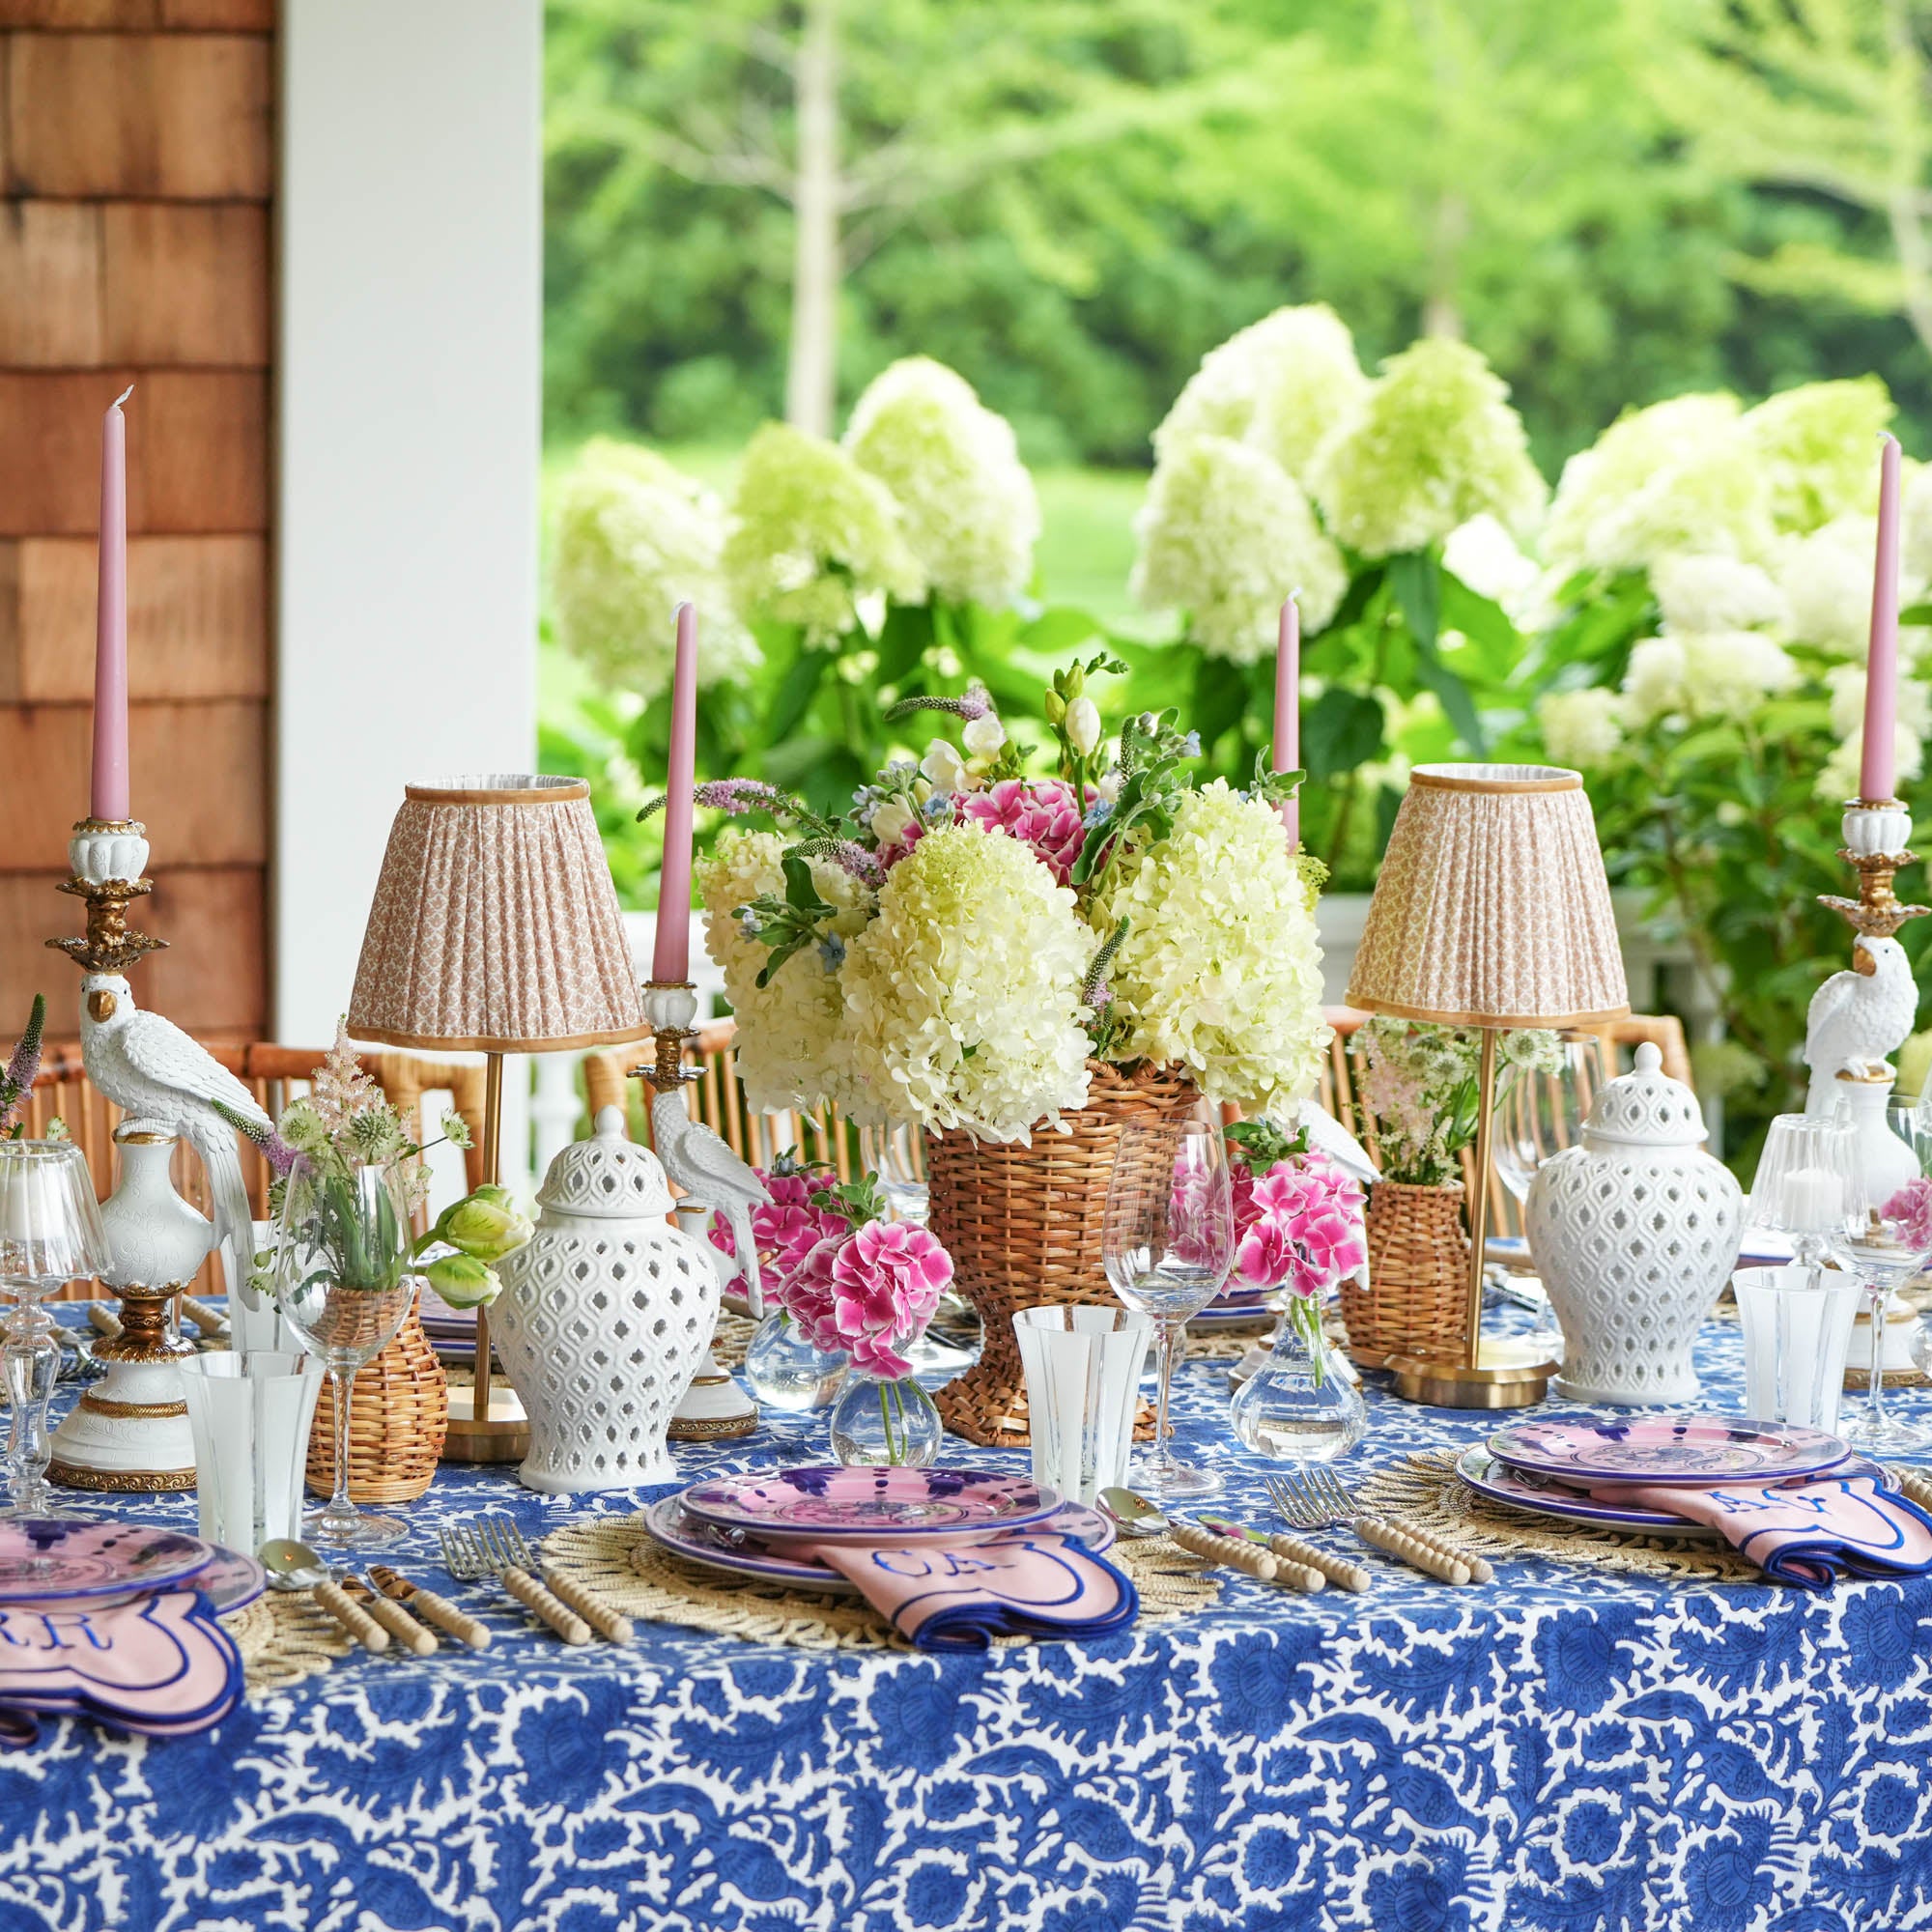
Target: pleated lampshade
column 495, row 926
column 1491, row 908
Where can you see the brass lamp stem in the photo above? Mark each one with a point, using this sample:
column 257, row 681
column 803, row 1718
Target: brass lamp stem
column 493, row 1138
column 1479, row 1200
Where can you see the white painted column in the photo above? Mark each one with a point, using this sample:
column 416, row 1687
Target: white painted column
column 410, row 392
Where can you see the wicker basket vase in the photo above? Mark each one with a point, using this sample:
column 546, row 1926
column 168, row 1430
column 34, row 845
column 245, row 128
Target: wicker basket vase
column 1418, row 1274
column 396, row 1422
column 1023, row 1227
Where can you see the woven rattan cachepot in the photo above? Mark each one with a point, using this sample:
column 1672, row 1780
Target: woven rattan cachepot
column 397, row 1418
column 1023, row 1227
column 1418, row 1274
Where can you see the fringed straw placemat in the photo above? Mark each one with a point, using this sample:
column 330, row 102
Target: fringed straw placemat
column 284, row 1637
column 618, row 1557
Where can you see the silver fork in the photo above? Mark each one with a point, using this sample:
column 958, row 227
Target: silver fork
column 470, row 1552
column 603, row 1616
column 1316, row 1499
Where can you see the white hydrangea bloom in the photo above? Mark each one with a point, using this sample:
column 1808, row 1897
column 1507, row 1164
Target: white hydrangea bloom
column 1485, row 557
column 1712, row 674
column 1915, row 527
column 967, row 505
column 1581, row 728
column 1225, row 535
column 1680, row 475
column 1435, row 444
column 1220, row 970
column 1818, row 444
column 792, row 1048
column 964, row 995
column 1718, row 593
column 1281, row 384
column 1840, row 777
column 635, row 539
column 1827, row 580
column 1847, row 685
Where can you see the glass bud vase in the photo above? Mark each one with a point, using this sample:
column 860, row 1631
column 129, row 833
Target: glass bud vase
column 878, row 1420
column 1300, row 1406
column 791, row 1375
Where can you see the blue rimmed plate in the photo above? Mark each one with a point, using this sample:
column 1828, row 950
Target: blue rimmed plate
column 44, row 1557
column 1685, row 1450
column 871, row 1504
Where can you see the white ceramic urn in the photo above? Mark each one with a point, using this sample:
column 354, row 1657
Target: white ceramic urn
column 604, row 1315
column 1633, row 1232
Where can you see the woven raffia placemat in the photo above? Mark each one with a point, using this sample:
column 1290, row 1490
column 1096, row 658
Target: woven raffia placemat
column 618, row 1557
column 285, row 1638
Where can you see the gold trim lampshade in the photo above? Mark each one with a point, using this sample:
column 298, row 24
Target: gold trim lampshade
column 1490, row 910
column 496, row 927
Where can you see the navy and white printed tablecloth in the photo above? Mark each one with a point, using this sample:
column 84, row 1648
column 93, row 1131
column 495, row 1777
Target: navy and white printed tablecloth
column 1568, row 1749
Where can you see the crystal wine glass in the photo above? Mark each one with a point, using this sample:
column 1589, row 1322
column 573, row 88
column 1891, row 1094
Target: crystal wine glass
column 1168, row 1244
column 1539, row 1115
column 345, row 1279
column 1807, row 1183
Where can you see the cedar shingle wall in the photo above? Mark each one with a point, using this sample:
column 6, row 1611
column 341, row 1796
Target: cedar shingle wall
column 136, row 175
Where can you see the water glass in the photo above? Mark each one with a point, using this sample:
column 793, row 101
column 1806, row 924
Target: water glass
column 1797, row 1325
column 250, row 1420
column 1806, row 1182
column 1082, row 1380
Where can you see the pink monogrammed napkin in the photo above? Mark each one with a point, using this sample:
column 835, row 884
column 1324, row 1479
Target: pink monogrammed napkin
column 1804, row 1533
column 1019, row 1585
column 162, row 1664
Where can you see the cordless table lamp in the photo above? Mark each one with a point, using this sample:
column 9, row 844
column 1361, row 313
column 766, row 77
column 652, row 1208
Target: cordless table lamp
column 1491, row 910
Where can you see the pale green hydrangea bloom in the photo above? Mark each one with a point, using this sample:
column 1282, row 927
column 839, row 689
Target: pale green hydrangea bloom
column 1718, row 593
column 1715, row 674
column 1220, row 970
column 1819, row 447
column 964, row 995
column 967, row 506
column 1677, row 477
column 1225, row 535
column 815, row 536
column 1827, row 580
column 635, row 539
column 1581, row 730
column 1281, row 384
column 1838, row 778
column 1485, row 557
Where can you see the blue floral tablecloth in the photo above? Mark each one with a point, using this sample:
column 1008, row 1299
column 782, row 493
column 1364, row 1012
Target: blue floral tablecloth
column 1567, row 1748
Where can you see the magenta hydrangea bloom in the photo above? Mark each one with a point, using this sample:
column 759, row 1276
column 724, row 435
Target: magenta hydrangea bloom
column 870, row 1293
column 1299, row 1226
column 1912, row 1207
column 1040, row 812
column 787, row 1228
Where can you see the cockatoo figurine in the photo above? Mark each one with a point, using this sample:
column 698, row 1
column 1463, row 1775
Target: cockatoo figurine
column 148, row 1067
column 708, row 1171
column 1858, row 1017
column 1327, row 1135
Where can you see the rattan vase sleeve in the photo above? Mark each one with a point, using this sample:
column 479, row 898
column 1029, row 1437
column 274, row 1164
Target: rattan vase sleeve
column 1417, row 1291
column 1023, row 1226
column 396, row 1423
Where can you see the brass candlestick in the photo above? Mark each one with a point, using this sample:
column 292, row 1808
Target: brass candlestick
column 109, row 856
column 1875, row 831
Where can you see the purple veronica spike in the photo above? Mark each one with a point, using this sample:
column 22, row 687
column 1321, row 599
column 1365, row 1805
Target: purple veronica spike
column 736, row 796
column 18, row 1082
column 849, row 855
column 975, row 705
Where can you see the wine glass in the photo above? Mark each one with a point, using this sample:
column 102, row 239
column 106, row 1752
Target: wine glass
column 1885, row 1243
column 345, row 1279
column 1805, row 1184
column 1168, row 1244
column 1539, row 1115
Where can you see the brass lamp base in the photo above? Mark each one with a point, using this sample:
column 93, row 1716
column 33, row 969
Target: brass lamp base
column 503, row 1434
column 1509, row 1373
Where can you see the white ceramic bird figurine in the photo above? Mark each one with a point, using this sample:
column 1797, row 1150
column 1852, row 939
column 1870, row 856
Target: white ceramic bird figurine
column 708, row 1171
column 155, row 1072
column 1862, row 1015
column 1327, row 1135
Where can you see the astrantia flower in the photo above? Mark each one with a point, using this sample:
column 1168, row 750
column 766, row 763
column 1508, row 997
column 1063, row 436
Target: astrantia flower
column 964, row 995
column 967, row 506
column 1040, row 813
column 1713, row 674
column 1581, row 728
column 791, row 1047
column 635, row 539
column 1680, row 475
column 1435, row 444
column 1818, row 444
column 813, row 535
column 1280, row 384
column 1225, row 535
column 1717, row 593
column 1220, row 970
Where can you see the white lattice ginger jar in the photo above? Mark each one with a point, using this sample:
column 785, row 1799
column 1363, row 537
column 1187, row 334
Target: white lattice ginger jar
column 1633, row 1232
column 605, row 1315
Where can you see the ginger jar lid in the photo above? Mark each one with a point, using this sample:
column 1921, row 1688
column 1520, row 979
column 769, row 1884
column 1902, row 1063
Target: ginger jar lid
column 1646, row 1107
column 608, row 1178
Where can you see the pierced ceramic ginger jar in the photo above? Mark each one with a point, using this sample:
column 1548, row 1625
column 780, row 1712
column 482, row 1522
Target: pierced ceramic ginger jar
column 1633, row 1232
column 605, row 1315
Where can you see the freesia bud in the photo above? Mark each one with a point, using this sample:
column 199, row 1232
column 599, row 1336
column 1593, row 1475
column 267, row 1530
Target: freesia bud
column 1056, row 707
column 945, row 767
column 892, row 822
column 1083, row 726
column 984, row 736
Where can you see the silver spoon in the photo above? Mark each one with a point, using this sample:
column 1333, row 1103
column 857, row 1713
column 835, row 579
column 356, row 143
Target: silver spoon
column 1134, row 1515
column 295, row 1566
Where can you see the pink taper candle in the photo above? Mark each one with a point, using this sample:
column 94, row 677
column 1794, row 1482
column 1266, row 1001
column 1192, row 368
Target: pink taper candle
column 1876, row 773
column 1288, row 711
column 672, row 958
column 110, row 796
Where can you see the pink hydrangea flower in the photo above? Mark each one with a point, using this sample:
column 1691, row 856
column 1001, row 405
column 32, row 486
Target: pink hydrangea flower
column 787, row 1228
column 1912, row 1208
column 1040, row 812
column 1300, row 1227
column 870, row 1293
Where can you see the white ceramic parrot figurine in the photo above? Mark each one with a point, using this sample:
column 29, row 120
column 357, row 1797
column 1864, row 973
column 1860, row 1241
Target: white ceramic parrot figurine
column 1327, row 1135
column 148, row 1067
column 1859, row 1016
column 708, row 1171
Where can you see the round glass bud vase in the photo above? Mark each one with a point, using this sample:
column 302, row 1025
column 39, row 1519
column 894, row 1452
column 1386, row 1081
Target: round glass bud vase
column 791, row 1375
column 880, row 1420
column 1302, row 1405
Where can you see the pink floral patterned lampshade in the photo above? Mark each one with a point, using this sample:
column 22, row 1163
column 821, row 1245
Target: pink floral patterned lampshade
column 1491, row 908
column 496, row 925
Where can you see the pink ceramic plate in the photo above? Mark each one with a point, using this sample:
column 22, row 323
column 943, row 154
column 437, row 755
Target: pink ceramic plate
column 869, row 1504
column 43, row 1556
column 1691, row 1451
